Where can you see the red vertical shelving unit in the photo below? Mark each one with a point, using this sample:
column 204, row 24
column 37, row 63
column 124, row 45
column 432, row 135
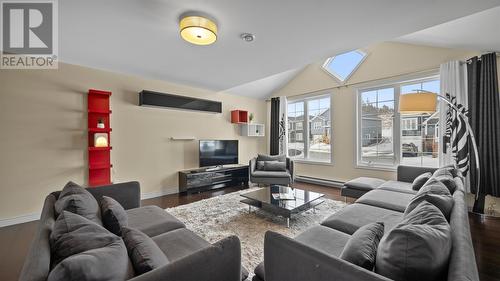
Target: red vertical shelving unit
column 99, row 159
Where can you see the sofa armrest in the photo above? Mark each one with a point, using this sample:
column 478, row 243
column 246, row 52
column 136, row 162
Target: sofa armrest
column 128, row 194
column 221, row 262
column 409, row 173
column 288, row 259
column 252, row 166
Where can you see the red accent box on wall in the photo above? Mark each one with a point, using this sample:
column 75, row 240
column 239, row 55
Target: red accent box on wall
column 99, row 159
column 239, row 116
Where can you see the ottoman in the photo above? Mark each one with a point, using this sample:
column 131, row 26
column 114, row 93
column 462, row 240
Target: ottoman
column 357, row 187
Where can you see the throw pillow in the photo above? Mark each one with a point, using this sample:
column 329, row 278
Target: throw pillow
column 76, row 199
column 260, row 165
column 436, row 193
column 114, row 216
column 418, row 248
column 361, row 249
column 419, row 181
column 143, row 251
column 446, row 177
column 274, row 166
column 73, row 234
column 280, row 158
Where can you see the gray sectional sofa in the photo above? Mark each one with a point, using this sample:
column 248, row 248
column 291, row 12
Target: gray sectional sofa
column 189, row 256
column 314, row 254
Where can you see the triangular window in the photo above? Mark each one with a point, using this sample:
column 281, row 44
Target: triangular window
column 343, row 66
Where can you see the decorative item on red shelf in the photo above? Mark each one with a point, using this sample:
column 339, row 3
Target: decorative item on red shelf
column 101, row 140
column 100, row 124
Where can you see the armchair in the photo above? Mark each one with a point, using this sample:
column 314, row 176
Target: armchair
column 272, row 177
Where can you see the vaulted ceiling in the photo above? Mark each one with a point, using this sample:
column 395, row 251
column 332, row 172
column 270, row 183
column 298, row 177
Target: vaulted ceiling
column 141, row 37
column 477, row 32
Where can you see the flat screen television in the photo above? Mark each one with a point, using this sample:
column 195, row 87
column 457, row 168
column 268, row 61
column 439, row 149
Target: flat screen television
column 218, row 152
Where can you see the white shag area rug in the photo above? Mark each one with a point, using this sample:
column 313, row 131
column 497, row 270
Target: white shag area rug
column 222, row 216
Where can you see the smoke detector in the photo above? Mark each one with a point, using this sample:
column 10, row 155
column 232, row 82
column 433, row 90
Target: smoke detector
column 247, row 37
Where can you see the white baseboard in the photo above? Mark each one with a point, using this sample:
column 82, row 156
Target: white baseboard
column 319, row 181
column 19, row 219
column 36, row 216
column 155, row 194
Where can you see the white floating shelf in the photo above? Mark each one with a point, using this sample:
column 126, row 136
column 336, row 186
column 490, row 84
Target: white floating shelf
column 252, row 130
column 182, row 138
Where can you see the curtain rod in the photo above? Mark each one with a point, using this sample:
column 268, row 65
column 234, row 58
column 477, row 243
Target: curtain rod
column 364, row 82
column 469, row 61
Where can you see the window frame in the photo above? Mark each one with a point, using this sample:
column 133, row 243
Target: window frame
column 305, row 131
column 397, row 125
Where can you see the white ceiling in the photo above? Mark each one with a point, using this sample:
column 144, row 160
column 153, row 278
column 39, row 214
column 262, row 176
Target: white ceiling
column 141, row 37
column 477, row 32
column 264, row 87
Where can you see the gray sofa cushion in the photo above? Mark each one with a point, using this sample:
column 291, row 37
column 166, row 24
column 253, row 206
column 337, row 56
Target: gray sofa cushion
column 143, row 251
column 391, row 200
column 180, row 243
column 398, row 186
column 361, row 249
column 364, row 183
column 114, row 216
column 353, row 216
column 274, row 166
column 435, row 193
column 76, row 199
column 445, row 176
column 71, row 233
column 418, row 248
column 419, row 181
column 324, row 239
column 152, row 220
column 83, row 250
column 270, row 174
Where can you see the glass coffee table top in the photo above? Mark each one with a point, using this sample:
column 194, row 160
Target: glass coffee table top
column 269, row 199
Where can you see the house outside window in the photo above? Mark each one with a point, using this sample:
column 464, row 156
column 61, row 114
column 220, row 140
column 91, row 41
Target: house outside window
column 386, row 139
column 311, row 138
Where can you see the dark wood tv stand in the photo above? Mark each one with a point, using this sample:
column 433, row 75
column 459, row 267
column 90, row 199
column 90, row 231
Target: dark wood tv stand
column 201, row 179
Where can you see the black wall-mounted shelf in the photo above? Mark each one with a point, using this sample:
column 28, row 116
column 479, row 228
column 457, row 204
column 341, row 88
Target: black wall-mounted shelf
column 156, row 99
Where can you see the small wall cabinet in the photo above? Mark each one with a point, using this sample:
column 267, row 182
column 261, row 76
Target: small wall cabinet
column 252, row 130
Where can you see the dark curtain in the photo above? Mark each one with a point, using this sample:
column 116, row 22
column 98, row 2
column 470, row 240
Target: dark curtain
column 484, row 117
column 275, row 126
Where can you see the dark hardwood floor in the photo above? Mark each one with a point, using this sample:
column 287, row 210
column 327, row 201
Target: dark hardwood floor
column 15, row 240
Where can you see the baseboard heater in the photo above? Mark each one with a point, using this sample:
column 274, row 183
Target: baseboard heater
column 325, row 182
column 156, row 99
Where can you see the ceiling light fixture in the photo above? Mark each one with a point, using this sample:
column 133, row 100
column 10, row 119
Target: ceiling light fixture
column 198, row 30
column 247, row 37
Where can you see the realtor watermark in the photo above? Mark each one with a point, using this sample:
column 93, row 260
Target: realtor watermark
column 29, row 35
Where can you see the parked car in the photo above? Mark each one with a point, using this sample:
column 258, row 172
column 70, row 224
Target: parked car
column 410, row 150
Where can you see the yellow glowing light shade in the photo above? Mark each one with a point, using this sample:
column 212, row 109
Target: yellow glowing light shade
column 101, row 140
column 417, row 103
column 198, row 30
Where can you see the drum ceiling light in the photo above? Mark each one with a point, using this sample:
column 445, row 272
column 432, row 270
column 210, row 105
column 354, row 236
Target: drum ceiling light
column 198, row 30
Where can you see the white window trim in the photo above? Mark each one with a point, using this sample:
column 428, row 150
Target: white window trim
column 305, row 130
column 397, row 132
column 339, row 79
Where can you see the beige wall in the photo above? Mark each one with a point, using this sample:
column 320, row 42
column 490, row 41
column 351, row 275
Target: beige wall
column 43, row 137
column 383, row 61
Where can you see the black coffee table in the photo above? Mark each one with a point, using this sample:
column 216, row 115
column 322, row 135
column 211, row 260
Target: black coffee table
column 263, row 199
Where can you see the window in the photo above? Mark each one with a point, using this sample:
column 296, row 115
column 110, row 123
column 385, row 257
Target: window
column 409, row 124
column 311, row 138
column 386, row 139
column 343, row 66
column 298, row 136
